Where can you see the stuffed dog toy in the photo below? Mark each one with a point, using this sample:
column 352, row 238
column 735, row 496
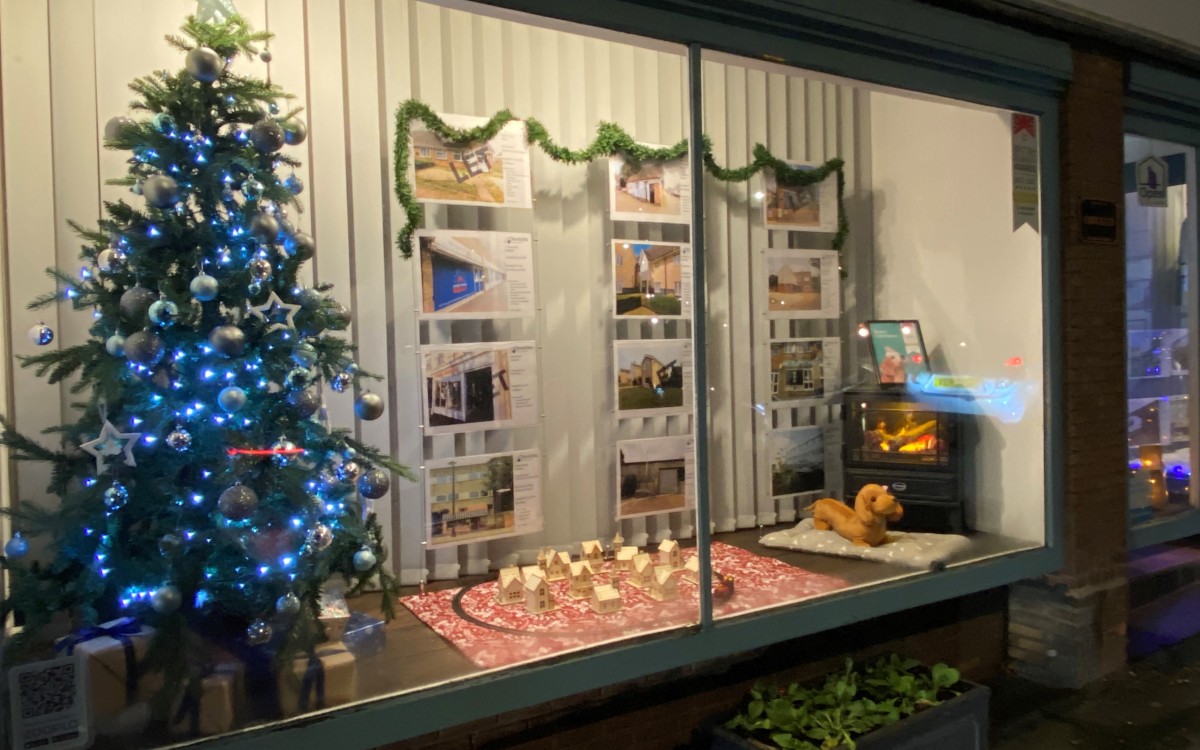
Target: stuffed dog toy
column 866, row 525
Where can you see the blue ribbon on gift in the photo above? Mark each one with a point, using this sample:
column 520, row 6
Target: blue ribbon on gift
column 313, row 682
column 121, row 631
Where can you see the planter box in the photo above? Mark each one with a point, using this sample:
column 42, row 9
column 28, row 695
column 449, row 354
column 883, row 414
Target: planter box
column 960, row 723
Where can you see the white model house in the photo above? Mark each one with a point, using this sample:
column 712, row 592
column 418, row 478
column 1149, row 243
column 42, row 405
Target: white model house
column 593, row 553
column 531, row 570
column 625, row 558
column 605, row 599
column 510, row 588
column 642, row 572
column 538, row 598
column 663, row 586
column 670, row 554
column 691, row 570
column 558, row 566
column 581, row 580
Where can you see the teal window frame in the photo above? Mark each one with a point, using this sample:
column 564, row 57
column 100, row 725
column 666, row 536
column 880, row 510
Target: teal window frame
column 1165, row 106
column 896, row 43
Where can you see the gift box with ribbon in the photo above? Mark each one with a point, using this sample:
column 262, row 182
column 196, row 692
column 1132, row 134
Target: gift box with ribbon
column 323, row 678
column 210, row 706
column 114, row 652
column 334, row 612
column 365, row 635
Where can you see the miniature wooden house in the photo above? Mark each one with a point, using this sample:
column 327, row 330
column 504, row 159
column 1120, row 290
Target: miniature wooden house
column 538, row 598
column 558, row 566
column 593, row 553
column 670, row 554
column 691, row 570
column 618, row 542
column 642, row 571
column 625, row 558
column 544, row 555
column 663, row 586
column 531, row 570
column 510, row 588
column 605, row 599
column 581, row 580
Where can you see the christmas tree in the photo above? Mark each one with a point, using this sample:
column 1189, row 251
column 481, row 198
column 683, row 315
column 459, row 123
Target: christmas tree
column 200, row 488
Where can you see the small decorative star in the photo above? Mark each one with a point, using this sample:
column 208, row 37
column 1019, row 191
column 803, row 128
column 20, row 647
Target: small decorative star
column 271, row 312
column 108, row 444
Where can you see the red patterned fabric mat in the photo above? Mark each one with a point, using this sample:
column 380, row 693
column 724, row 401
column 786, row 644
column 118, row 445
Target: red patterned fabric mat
column 760, row 582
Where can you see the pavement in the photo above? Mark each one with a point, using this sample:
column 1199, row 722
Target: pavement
column 1153, row 703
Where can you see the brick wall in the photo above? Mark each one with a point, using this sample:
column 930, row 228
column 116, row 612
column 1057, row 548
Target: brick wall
column 668, row 710
column 1080, row 611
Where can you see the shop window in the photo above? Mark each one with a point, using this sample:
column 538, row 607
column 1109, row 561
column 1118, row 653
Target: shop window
column 1160, row 314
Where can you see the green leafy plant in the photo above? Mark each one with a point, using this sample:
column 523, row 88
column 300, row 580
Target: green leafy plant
column 845, row 705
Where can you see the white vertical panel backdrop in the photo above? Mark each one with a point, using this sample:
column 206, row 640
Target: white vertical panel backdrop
column 65, row 67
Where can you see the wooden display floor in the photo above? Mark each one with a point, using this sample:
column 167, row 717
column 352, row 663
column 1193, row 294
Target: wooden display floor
column 416, row 656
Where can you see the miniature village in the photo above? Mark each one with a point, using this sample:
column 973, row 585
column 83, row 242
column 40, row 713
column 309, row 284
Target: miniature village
column 655, row 574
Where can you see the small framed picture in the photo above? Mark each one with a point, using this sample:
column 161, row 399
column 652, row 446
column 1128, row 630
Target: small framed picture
column 897, row 350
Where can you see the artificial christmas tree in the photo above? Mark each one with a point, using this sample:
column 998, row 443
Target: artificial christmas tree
column 200, row 490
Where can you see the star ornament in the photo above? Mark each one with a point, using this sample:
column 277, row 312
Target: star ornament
column 279, row 315
column 111, row 443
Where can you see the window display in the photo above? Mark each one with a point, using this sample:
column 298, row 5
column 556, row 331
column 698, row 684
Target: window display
column 537, row 328
column 1160, row 251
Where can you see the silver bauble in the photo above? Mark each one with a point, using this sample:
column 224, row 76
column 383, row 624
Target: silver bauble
column 266, row 56
column 349, row 471
column 237, row 503
column 179, row 439
column 204, row 64
column 267, row 136
column 320, row 537
column 309, row 299
column 144, row 348
column 294, row 131
column 260, row 269
column 116, row 496
column 374, row 484
column 160, row 191
column 166, row 599
column 305, row 355
column 169, row 544
column 164, row 312
column 369, row 406
column 252, row 188
column 288, row 604
column 163, row 122
column 364, row 560
column 305, row 402
column 284, row 456
column 301, row 245
column 108, row 259
column 41, row 334
column 227, row 340
column 113, row 128
column 339, row 316
column 231, row 399
column 115, row 345
column 341, row 382
column 135, row 303
column 264, row 227
column 205, row 288
column 259, row 632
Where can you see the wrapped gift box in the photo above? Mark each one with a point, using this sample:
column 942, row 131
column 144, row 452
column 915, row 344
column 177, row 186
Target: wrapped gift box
column 335, row 613
column 211, row 710
column 327, row 678
column 365, row 635
column 114, row 652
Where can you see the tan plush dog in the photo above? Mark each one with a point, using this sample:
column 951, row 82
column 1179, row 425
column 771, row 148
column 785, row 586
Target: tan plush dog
column 866, row 525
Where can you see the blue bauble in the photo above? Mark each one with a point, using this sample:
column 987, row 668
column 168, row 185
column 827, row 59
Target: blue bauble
column 164, row 312
column 231, row 399
column 17, row 546
column 288, row 604
column 205, row 288
column 115, row 345
column 294, row 184
column 364, row 560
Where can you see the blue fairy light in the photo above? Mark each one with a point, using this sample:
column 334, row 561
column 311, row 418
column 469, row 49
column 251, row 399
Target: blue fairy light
column 287, row 561
column 153, row 231
column 149, row 439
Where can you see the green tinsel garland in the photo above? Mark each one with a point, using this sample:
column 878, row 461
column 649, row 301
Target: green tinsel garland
column 610, row 139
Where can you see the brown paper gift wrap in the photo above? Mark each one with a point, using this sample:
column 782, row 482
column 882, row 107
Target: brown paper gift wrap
column 326, row 678
column 110, row 689
column 213, row 710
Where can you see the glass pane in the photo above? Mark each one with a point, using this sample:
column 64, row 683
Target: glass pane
column 876, row 408
column 1160, row 252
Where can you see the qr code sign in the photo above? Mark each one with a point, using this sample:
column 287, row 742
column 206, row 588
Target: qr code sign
column 49, row 706
column 47, row 691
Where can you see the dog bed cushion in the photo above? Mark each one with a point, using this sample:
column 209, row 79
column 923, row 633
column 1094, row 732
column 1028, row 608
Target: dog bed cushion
column 911, row 549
